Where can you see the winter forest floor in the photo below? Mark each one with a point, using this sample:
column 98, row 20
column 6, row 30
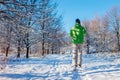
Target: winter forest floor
column 58, row 67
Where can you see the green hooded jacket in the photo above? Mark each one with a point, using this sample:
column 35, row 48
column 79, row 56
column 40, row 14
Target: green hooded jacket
column 77, row 34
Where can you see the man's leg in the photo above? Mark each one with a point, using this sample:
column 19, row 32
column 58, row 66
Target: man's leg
column 74, row 56
column 80, row 55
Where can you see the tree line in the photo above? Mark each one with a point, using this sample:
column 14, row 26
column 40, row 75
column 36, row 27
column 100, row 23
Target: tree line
column 30, row 26
column 34, row 27
column 103, row 32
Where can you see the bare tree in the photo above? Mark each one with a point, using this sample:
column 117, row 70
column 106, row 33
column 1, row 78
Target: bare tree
column 48, row 21
column 86, row 23
column 114, row 22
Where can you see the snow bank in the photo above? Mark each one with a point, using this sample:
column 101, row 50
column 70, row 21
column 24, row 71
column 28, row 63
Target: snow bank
column 58, row 67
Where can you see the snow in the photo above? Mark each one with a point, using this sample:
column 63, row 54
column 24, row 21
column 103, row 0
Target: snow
column 58, row 67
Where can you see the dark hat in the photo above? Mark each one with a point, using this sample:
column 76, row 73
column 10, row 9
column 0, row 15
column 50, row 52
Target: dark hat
column 77, row 21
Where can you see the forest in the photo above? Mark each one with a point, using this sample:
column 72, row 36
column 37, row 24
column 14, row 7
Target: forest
column 30, row 26
column 34, row 27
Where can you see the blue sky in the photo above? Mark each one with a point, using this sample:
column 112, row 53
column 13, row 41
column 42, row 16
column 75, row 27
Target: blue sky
column 83, row 9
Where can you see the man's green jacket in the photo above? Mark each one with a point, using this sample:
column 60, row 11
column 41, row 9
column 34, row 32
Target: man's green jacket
column 77, row 34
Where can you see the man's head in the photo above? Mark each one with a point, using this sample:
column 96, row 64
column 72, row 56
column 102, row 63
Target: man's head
column 77, row 21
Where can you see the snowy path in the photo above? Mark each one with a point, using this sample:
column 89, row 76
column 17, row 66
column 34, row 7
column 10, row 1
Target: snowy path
column 58, row 67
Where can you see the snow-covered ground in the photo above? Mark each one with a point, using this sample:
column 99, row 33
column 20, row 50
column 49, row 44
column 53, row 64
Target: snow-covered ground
column 58, row 67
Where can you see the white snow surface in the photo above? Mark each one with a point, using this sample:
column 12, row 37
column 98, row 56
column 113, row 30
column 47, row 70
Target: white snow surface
column 58, row 67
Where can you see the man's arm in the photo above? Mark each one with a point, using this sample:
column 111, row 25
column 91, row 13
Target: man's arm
column 84, row 31
column 71, row 34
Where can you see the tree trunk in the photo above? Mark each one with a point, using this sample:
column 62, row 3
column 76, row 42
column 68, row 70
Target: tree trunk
column 48, row 47
column 27, row 52
column 27, row 45
column 43, row 49
column 118, row 41
column 47, row 51
column 88, row 43
column 43, row 44
column 18, row 55
column 52, row 49
column 59, row 50
column 7, row 50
